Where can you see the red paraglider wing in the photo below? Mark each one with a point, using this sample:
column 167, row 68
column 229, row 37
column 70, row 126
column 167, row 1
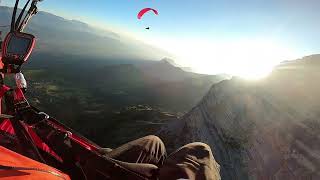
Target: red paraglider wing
column 145, row 10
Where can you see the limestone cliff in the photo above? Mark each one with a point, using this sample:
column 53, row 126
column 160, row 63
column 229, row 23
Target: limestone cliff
column 267, row 129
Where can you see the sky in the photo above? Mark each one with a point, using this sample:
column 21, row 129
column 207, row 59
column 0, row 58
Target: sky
column 240, row 37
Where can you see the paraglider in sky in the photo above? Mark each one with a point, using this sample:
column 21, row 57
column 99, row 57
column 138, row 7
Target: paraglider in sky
column 145, row 10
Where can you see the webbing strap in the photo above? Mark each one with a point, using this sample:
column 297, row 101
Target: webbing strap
column 40, row 144
column 74, row 137
column 20, row 101
column 5, row 125
column 18, row 95
column 3, row 90
column 21, row 105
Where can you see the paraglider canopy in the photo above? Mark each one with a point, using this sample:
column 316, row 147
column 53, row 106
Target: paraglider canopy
column 145, row 10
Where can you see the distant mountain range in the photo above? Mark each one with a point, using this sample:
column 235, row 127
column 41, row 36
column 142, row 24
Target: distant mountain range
column 259, row 130
column 57, row 35
column 79, row 73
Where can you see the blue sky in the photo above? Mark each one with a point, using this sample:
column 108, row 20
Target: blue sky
column 274, row 26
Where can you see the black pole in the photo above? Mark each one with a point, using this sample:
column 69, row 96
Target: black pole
column 32, row 11
column 21, row 14
column 13, row 20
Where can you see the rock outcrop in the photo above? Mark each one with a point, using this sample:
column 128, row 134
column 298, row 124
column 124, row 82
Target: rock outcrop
column 259, row 130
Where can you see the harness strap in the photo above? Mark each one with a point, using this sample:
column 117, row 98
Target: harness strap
column 3, row 90
column 28, row 115
column 31, row 117
column 20, row 101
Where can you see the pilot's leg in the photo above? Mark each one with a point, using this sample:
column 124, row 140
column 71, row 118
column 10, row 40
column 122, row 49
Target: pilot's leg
column 149, row 149
column 193, row 161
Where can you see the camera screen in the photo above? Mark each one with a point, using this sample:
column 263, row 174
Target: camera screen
column 18, row 45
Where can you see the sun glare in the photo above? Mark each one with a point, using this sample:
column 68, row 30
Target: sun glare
column 249, row 59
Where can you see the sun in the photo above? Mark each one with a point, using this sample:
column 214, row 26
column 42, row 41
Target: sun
column 254, row 73
column 251, row 59
column 248, row 58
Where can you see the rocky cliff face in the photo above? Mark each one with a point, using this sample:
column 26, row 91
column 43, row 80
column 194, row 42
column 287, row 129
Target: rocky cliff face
column 259, row 130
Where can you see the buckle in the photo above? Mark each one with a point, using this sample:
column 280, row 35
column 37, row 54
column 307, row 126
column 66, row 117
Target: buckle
column 46, row 116
column 22, row 105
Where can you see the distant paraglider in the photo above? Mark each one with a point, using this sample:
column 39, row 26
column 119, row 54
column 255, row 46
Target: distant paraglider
column 145, row 10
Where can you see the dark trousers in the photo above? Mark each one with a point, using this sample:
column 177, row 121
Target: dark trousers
column 192, row 161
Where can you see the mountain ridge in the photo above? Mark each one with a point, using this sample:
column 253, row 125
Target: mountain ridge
column 259, row 130
column 73, row 37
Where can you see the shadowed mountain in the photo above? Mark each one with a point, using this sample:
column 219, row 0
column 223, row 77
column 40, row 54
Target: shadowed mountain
column 98, row 93
column 259, row 130
column 167, row 70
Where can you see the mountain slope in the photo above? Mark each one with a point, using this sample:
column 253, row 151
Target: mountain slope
column 164, row 71
column 103, row 94
column 260, row 130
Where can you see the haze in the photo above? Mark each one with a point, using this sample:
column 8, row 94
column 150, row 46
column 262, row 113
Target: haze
column 245, row 38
